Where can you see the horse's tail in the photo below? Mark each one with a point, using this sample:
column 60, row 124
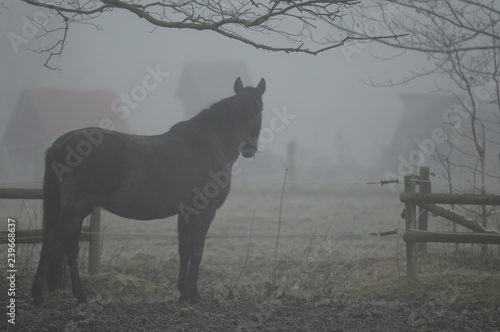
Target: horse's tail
column 56, row 270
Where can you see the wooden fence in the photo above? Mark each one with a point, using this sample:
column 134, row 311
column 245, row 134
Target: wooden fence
column 91, row 233
column 416, row 234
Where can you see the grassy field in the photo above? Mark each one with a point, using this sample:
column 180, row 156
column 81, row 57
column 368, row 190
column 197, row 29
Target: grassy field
column 328, row 240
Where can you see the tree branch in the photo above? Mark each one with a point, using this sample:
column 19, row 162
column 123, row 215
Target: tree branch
column 235, row 19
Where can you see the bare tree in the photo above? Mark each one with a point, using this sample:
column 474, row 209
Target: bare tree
column 302, row 26
column 462, row 43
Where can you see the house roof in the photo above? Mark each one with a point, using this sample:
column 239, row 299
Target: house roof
column 42, row 115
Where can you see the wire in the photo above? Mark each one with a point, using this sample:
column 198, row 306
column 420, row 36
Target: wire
column 299, row 235
column 327, row 182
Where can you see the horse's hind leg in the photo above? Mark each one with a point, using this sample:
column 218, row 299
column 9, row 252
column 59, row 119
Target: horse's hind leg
column 72, row 247
column 51, row 247
column 39, row 280
column 54, row 246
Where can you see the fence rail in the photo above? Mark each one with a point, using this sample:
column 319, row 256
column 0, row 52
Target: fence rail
column 91, row 233
column 461, row 199
column 36, row 235
column 416, row 234
column 21, row 193
column 423, row 236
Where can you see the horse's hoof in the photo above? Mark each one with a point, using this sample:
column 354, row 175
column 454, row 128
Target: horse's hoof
column 37, row 302
column 38, row 299
column 183, row 298
column 82, row 300
column 195, row 298
column 82, row 303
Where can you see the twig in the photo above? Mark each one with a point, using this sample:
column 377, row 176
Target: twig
column 309, row 249
column 249, row 253
column 338, row 209
column 275, row 255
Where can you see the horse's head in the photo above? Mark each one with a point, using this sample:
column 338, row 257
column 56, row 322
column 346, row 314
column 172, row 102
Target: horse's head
column 249, row 145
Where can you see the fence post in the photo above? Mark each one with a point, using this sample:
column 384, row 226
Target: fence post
column 410, row 222
column 95, row 241
column 423, row 215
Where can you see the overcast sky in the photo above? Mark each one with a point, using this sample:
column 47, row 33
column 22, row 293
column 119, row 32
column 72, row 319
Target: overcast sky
column 325, row 92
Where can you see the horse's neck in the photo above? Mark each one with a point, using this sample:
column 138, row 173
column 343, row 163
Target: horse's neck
column 229, row 129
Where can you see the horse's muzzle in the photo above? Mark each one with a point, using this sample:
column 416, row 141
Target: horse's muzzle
column 249, row 152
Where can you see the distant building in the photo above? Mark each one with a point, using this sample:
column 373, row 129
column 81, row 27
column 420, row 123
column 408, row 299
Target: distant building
column 41, row 116
column 417, row 139
column 204, row 83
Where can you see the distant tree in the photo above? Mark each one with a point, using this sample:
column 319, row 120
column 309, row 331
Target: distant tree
column 302, row 26
column 461, row 39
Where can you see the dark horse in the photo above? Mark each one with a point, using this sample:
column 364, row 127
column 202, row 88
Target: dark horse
column 185, row 171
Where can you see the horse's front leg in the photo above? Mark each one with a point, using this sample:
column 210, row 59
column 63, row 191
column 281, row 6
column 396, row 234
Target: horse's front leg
column 183, row 236
column 198, row 233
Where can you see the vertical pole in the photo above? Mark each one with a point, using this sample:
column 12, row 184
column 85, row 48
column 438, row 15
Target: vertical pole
column 290, row 151
column 410, row 221
column 95, row 241
column 423, row 215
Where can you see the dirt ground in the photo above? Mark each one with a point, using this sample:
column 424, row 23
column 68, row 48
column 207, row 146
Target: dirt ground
column 464, row 300
column 279, row 314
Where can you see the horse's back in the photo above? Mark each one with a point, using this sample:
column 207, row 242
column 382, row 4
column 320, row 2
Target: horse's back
column 139, row 177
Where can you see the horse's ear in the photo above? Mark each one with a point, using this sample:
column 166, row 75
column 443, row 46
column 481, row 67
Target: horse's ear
column 261, row 87
column 238, row 85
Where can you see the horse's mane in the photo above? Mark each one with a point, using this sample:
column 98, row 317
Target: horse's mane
column 220, row 115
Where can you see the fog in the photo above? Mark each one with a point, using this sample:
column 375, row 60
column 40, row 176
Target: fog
column 338, row 115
